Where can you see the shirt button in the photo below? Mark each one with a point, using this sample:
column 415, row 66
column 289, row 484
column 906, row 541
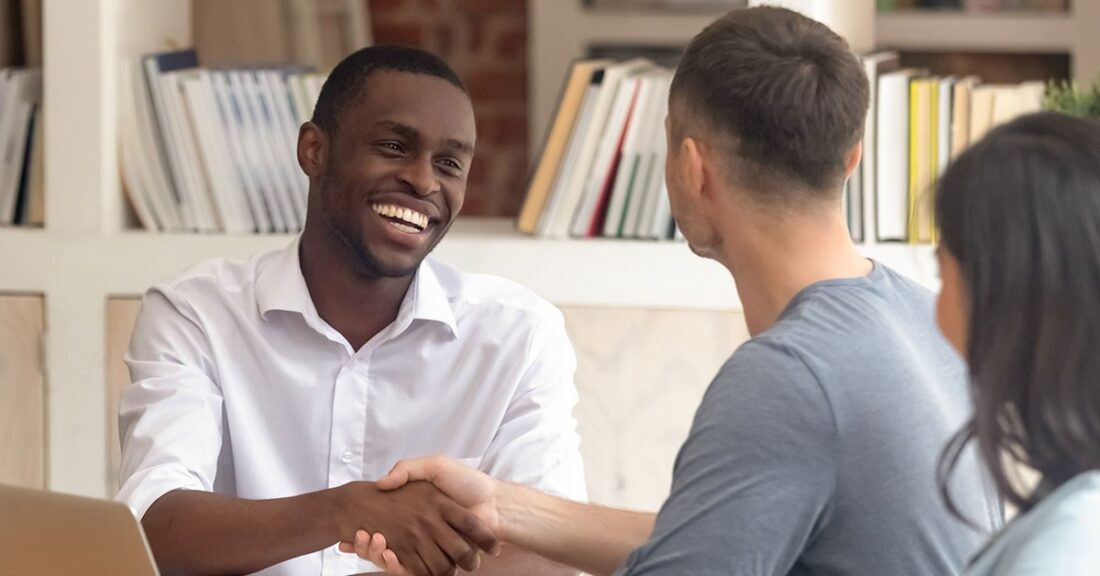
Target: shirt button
column 346, row 456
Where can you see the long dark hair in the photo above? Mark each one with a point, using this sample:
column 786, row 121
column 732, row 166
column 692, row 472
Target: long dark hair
column 1021, row 212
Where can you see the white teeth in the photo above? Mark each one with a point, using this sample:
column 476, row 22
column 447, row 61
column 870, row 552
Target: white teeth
column 411, row 216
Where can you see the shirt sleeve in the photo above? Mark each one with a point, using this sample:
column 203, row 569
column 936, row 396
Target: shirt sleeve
column 170, row 417
column 537, row 443
column 754, row 480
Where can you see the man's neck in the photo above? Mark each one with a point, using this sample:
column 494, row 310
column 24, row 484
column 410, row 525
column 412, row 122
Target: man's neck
column 357, row 306
column 772, row 259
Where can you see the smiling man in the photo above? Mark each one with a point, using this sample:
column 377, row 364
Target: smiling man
column 267, row 394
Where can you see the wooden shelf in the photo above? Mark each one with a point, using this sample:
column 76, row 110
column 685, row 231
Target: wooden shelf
column 979, row 32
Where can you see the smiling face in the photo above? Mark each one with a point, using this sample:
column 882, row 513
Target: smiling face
column 393, row 176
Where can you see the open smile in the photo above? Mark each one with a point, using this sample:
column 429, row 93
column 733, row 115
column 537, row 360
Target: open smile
column 405, row 220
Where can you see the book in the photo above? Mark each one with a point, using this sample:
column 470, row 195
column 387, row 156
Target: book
column 892, row 149
column 541, row 180
column 627, row 179
column 960, row 118
column 606, row 81
column 20, row 94
column 923, row 106
column 653, row 120
column 552, row 214
column 165, row 127
column 591, row 212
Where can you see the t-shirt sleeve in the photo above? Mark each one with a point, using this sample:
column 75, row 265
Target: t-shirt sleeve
column 753, row 482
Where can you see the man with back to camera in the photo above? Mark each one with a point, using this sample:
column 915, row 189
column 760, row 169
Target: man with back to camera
column 815, row 449
column 266, row 394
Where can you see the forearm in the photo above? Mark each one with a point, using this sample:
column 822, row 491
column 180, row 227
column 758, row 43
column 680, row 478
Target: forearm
column 595, row 539
column 514, row 560
column 199, row 533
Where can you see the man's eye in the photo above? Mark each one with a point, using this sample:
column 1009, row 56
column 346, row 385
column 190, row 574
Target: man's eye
column 451, row 164
column 393, row 147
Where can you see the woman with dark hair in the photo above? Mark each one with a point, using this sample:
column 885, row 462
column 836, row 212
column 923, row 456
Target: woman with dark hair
column 1019, row 217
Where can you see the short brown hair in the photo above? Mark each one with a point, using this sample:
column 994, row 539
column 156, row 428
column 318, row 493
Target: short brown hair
column 785, row 89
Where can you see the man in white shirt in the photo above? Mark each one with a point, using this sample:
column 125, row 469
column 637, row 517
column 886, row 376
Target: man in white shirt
column 267, row 394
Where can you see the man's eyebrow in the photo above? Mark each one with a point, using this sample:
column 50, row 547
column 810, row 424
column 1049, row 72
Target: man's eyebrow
column 402, row 130
column 409, row 133
column 461, row 146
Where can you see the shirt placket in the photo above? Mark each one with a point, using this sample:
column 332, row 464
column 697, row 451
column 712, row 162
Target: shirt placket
column 346, row 443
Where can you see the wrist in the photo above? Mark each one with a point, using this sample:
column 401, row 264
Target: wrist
column 510, row 507
column 330, row 509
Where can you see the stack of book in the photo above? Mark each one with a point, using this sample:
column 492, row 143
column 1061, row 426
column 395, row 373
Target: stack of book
column 917, row 123
column 601, row 170
column 206, row 150
column 21, row 200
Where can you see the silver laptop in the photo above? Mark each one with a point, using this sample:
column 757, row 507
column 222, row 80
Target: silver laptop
column 47, row 534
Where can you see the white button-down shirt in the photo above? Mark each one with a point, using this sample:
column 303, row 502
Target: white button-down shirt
column 239, row 387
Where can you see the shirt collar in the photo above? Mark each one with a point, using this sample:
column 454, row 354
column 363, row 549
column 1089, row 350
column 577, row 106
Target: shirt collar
column 281, row 286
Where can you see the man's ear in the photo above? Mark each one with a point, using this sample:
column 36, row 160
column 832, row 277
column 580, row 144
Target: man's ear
column 692, row 168
column 313, row 148
column 851, row 160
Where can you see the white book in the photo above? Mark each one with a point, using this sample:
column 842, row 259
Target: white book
column 640, row 215
column 944, row 121
column 225, row 185
column 260, row 164
column 553, row 215
column 148, row 152
column 277, row 99
column 264, row 213
column 626, row 175
column 264, row 134
column 892, row 203
column 171, row 156
column 875, row 65
column 608, row 148
column 574, row 181
column 131, row 153
column 640, row 153
column 190, row 168
column 22, row 93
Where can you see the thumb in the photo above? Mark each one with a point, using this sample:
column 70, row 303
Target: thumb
column 407, row 471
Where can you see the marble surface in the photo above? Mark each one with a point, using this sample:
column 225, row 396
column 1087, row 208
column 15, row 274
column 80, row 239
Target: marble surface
column 641, row 375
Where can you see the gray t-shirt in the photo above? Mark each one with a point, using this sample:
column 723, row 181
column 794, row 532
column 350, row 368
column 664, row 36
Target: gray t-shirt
column 815, row 448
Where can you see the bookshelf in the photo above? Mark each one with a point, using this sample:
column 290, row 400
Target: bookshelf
column 88, row 252
column 562, row 31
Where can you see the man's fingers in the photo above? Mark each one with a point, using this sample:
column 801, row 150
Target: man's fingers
column 362, row 542
column 461, row 552
column 407, row 471
column 472, row 528
column 391, row 564
column 436, row 561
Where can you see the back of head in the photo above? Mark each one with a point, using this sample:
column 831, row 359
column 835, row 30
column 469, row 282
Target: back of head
column 349, row 77
column 1020, row 211
column 782, row 93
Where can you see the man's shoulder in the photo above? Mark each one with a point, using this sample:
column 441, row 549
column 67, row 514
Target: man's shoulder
column 217, row 277
column 474, row 293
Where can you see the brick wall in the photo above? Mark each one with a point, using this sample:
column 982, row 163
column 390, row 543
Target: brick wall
column 486, row 43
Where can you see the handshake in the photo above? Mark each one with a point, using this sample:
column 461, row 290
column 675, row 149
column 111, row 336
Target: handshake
column 464, row 523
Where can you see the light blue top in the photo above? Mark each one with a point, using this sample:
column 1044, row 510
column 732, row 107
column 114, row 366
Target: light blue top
column 1060, row 536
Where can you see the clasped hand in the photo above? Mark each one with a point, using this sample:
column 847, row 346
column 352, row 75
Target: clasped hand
column 415, row 551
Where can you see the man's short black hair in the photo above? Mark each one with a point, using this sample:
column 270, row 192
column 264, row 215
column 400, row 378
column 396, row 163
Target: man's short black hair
column 785, row 91
column 349, row 77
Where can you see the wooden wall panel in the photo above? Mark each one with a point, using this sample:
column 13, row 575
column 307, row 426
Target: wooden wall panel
column 22, row 391
column 121, row 314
